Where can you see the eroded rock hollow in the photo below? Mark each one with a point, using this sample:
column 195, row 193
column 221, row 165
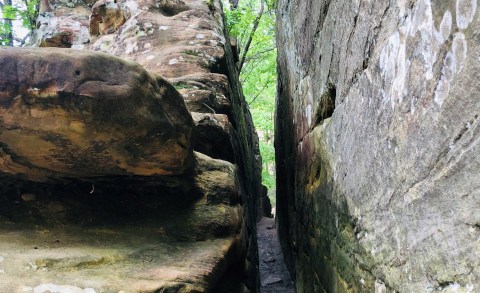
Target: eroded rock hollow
column 377, row 140
column 128, row 157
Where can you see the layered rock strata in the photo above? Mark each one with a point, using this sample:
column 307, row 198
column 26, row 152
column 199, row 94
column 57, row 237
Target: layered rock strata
column 68, row 113
column 108, row 183
column 378, row 145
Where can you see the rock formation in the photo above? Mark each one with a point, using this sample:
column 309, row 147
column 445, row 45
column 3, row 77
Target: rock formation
column 69, row 113
column 108, row 182
column 377, row 139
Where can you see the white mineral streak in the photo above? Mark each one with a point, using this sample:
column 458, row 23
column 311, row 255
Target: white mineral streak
column 452, row 64
column 393, row 65
column 465, row 12
column 419, row 24
column 459, row 49
column 445, row 26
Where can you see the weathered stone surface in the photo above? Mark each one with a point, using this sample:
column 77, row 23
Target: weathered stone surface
column 107, row 17
column 384, row 194
column 71, row 30
column 216, row 180
column 213, row 136
column 80, row 236
column 201, row 101
column 193, row 232
column 266, row 204
column 170, row 38
column 205, row 93
column 66, row 113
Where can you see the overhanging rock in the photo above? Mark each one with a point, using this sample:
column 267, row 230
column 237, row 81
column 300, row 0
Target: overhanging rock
column 129, row 206
column 71, row 113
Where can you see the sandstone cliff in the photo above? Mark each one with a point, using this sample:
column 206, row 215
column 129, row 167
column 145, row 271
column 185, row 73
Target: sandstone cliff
column 128, row 157
column 377, row 139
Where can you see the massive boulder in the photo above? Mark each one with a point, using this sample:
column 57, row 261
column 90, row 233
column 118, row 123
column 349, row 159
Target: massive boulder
column 183, row 222
column 378, row 154
column 70, row 113
column 183, row 41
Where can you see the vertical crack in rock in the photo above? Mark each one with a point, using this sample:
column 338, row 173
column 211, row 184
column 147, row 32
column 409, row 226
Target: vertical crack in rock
column 377, row 194
column 327, row 105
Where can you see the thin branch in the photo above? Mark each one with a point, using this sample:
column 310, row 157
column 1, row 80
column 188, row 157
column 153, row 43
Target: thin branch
column 246, row 75
column 259, row 92
column 252, row 34
column 259, row 55
column 25, row 38
column 267, row 50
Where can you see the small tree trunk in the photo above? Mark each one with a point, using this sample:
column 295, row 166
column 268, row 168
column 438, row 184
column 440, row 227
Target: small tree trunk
column 234, row 3
column 7, row 24
column 252, row 34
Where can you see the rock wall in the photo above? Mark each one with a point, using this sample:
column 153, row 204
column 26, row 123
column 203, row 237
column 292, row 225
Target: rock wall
column 128, row 157
column 377, row 144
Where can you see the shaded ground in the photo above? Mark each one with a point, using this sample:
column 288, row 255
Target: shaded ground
column 76, row 238
column 274, row 275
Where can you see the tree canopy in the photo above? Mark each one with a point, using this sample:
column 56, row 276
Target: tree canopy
column 252, row 23
column 17, row 21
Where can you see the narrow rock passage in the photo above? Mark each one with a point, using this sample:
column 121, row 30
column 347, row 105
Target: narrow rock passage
column 274, row 275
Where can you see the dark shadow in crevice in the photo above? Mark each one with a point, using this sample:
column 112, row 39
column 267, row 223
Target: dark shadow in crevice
column 327, row 105
column 101, row 201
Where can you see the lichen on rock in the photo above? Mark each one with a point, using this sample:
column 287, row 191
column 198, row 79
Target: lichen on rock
column 381, row 196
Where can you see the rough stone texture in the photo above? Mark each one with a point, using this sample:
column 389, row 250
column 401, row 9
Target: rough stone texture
column 274, row 275
column 189, row 232
column 382, row 193
column 181, row 40
column 266, row 204
column 79, row 235
column 67, row 113
column 214, row 135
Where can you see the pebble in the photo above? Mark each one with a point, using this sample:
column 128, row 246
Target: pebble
column 28, row 197
column 271, row 281
column 269, row 260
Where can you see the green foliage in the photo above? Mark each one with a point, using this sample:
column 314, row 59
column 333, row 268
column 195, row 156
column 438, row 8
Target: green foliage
column 268, row 161
column 15, row 16
column 258, row 75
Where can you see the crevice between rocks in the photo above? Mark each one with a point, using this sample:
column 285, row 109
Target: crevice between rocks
column 327, row 105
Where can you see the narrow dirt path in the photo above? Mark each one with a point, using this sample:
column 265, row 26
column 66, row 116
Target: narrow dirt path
column 274, row 275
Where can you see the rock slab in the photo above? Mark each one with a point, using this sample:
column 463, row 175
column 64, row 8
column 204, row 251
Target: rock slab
column 180, row 226
column 70, row 113
column 378, row 145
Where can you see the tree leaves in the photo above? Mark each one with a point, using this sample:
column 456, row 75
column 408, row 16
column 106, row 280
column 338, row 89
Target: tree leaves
column 15, row 15
column 258, row 73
